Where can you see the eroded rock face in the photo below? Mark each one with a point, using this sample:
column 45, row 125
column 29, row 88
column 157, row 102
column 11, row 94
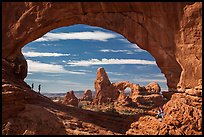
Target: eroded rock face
column 105, row 91
column 153, row 87
column 102, row 81
column 87, row 96
column 176, row 48
column 136, row 90
column 124, row 100
column 194, row 92
column 110, row 92
column 122, row 85
column 34, row 120
column 70, row 99
column 183, row 116
column 152, row 100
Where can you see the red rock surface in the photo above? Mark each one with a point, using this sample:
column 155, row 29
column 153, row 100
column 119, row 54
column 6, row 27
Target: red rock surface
column 153, row 87
column 87, row 95
column 183, row 116
column 124, row 100
column 102, row 81
column 196, row 91
column 70, row 99
column 110, row 92
column 174, row 41
column 150, row 101
column 105, row 91
column 176, row 48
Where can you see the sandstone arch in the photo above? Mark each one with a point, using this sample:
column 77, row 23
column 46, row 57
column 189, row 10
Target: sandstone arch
column 170, row 32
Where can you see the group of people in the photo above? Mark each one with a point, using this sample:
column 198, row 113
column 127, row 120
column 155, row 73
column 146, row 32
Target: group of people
column 39, row 87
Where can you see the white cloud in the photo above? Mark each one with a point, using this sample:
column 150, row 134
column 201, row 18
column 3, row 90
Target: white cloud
column 134, row 46
column 150, row 80
column 53, row 81
column 115, row 51
column 35, row 66
column 38, row 80
column 53, row 75
column 88, row 35
column 157, row 75
column 137, row 49
column 87, row 71
column 92, row 27
column 43, row 54
column 124, row 40
column 115, row 73
column 105, row 61
column 113, row 80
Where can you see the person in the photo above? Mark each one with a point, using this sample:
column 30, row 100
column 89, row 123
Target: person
column 32, row 86
column 39, row 88
column 160, row 113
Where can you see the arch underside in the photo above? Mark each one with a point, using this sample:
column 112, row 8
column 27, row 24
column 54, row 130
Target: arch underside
column 148, row 27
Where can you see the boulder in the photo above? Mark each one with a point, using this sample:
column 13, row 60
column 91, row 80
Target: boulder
column 124, row 100
column 194, row 92
column 87, row 96
column 137, row 90
column 150, row 101
column 70, row 99
column 153, row 87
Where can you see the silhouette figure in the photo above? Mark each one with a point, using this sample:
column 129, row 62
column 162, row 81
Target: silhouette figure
column 32, row 86
column 39, row 88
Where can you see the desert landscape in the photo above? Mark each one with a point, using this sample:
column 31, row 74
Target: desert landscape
column 109, row 110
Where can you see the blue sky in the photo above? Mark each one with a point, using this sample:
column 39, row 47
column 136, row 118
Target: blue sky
column 67, row 59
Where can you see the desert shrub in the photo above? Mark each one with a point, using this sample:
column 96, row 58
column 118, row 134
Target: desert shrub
column 127, row 112
column 111, row 110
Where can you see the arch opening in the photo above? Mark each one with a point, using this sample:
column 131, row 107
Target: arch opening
column 176, row 49
column 128, row 91
column 69, row 56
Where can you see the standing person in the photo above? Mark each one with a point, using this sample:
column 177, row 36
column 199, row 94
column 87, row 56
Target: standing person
column 32, row 86
column 39, row 88
column 160, row 113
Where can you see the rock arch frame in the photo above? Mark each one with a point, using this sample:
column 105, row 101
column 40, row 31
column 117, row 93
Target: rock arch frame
column 170, row 32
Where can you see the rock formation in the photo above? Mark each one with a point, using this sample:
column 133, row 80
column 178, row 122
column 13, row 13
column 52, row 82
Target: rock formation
column 124, row 100
column 174, row 41
column 153, row 87
column 150, row 101
column 183, row 116
column 122, row 85
column 87, row 96
column 196, row 91
column 109, row 92
column 105, row 91
column 136, row 89
column 102, row 81
column 167, row 94
column 175, row 47
column 70, row 99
